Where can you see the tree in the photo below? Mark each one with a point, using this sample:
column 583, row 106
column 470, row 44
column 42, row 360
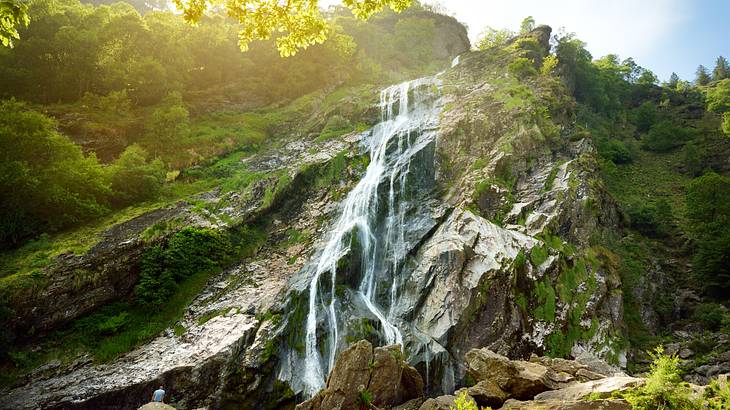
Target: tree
column 134, row 178
column 673, row 81
column 491, row 37
column 722, row 69
column 168, row 125
column 702, row 76
column 13, row 14
column 46, row 181
column 726, row 123
column 718, row 99
column 665, row 136
column 297, row 24
column 527, row 25
column 708, row 209
column 645, row 116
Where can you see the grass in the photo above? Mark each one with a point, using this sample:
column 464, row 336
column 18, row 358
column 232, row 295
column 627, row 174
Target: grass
column 649, row 178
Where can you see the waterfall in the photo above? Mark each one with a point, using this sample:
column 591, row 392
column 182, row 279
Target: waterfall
column 375, row 223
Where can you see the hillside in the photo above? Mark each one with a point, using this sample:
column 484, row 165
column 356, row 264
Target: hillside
column 236, row 226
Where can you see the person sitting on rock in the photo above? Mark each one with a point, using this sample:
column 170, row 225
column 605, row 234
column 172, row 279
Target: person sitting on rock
column 158, row 395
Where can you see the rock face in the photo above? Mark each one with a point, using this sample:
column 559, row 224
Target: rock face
column 363, row 376
column 495, row 255
column 542, row 383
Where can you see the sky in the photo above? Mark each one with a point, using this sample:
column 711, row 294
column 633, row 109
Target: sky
column 663, row 35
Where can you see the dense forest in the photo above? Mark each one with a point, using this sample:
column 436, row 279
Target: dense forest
column 114, row 111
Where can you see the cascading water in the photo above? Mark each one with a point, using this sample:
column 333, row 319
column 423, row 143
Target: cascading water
column 373, row 224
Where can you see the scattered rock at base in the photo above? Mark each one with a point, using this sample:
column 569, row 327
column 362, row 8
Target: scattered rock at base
column 381, row 371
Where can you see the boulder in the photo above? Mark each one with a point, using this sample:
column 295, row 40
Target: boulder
column 386, row 370
column 603, row 387
column 531, row 379
column 484, row 364
column 380, row 371
column 439, row 403
column 487, row 394
column 350, row 375
column 567, row 405
column 411, row 383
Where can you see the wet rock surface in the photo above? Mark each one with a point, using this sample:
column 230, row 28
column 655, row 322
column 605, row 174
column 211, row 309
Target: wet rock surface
column 364, row 376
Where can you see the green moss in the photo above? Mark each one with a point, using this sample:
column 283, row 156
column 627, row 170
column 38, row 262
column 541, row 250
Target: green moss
column 545, row 296
column 538, row 255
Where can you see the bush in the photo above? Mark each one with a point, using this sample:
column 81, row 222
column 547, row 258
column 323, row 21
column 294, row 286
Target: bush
column 650, row 220
column 189, row 251
column 711, row 315
column 665, row 137
column 708, row 210
column 47, row 182
column 522, row 67
column 615, row 151
column 664, row 388
column 465, row 402
column 134, row 178
column 645, row 116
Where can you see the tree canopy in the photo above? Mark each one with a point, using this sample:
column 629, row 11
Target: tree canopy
column 13, row 14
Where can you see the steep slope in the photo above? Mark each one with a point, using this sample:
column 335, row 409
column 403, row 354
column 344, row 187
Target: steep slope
column 470, row 225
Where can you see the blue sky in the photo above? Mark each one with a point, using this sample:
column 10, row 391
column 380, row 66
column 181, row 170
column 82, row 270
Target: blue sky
column 662, row 35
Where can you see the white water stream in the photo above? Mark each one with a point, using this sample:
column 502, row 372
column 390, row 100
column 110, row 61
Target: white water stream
column 409, row 114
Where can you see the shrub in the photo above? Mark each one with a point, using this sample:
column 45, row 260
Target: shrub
column 649, row 219
column 615, row 151
column 188, row 252
column 665, row 137
column 47, row 183
column 134, row 178
column 522, row 67
column 664, row 388
column 645, row 116
column 711, row 315
column 465, row 402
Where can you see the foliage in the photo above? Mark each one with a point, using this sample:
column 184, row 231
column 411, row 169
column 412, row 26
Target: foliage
column 650, row 219
column 708, row 208
column 615, row 151
column 664, row 388
column 645, row 116
column 666, row 136
column 53, row 184
column 13, row 14
column 721, row 70
column 464, row 402
column 364, row 399
column 522, row 67
column 298, row 24
column 702, row 75
column 134, row 178
column 726, row 123
column 711, row 315
column 168, row 125
column 718, row 98
column 490, row 38
column 186, row 253
column 527, row 25
column 718, row 395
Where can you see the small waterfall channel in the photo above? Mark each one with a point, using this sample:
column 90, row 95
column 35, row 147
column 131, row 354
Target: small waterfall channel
column 379, row 223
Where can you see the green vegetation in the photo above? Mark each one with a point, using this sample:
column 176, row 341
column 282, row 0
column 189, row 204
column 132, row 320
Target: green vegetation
column 664, row 387
column 464, row 402
column 189, row 251
column 364, row 399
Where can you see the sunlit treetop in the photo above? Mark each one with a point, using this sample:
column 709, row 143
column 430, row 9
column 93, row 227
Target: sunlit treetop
column 296, row 24
column 13, row 13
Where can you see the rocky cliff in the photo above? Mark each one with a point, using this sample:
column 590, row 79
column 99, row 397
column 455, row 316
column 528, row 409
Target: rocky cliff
column 476, row 231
